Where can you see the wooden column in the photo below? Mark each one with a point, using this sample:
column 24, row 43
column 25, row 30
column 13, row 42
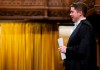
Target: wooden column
column 97, row 8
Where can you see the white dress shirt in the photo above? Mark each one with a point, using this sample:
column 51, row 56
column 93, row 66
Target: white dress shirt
column 76, row 24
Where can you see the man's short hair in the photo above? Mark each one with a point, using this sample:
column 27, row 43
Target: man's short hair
column 80, row 6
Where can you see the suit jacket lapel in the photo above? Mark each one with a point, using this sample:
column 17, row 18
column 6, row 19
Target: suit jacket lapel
column 74, row 32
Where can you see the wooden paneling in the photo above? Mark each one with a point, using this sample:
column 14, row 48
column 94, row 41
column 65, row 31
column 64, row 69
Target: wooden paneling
column 97, row 6
column 33, row 9
column 42, row 9
column 97, row 2
column 37, row 9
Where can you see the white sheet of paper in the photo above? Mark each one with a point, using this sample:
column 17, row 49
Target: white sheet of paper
column 60, row 42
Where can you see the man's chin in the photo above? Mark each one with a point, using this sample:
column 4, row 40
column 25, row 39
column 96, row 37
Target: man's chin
column 73, row 20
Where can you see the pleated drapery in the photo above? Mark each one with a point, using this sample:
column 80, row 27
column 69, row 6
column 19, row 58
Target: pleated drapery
column 29, row 46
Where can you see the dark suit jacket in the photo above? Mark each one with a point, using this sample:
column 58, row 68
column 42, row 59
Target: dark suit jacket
column 81, row 48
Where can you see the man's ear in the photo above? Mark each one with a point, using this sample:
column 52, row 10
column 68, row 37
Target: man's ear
column 80, row 12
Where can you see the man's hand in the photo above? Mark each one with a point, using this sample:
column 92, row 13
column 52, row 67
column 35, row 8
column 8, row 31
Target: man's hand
column 62, row 49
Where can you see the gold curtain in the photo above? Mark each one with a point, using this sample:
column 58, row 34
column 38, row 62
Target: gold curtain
column 29, row 46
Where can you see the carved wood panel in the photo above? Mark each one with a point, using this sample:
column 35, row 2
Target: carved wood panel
column 37, row 9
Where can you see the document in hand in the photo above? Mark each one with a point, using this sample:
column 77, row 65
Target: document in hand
column 60, row 43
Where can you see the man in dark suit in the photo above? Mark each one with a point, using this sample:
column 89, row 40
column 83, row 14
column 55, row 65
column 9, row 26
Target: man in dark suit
column 81, row 47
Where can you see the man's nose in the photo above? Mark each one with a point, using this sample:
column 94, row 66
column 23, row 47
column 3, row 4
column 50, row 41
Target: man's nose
column 70, row 14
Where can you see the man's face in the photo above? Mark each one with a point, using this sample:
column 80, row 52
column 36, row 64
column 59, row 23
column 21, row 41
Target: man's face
column 75, row 15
